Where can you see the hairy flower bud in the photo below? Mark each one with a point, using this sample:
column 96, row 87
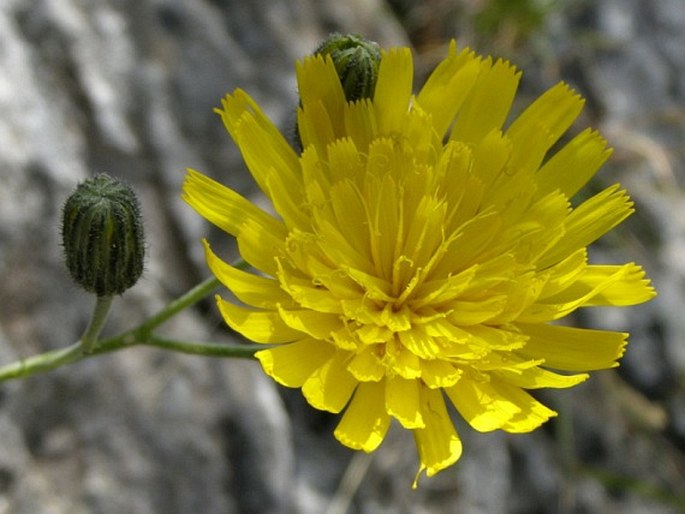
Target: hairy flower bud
column 356, row 60
column 102, row 234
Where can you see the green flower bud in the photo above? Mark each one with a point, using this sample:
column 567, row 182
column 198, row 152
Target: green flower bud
column 102, row 234
column 356, row 60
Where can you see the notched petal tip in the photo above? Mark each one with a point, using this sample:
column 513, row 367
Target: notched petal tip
column 292, row 364
column 365, row 422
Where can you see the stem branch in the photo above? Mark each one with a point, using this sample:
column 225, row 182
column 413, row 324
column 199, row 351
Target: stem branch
column 97, row 322
column 235, row 351
column 89, row 345
column 197, row 293
column 43, row 362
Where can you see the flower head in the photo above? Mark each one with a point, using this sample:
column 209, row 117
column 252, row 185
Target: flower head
column 420, row 252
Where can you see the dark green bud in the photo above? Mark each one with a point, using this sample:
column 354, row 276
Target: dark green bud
column 102, row 234
column 356, row 60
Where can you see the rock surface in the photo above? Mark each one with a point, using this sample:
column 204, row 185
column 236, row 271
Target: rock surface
column 128, row 87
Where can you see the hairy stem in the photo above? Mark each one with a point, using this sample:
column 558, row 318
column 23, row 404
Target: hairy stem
column 89, row 345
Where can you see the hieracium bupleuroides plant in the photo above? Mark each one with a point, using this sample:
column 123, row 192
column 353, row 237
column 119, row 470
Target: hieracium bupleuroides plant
column 420, row 248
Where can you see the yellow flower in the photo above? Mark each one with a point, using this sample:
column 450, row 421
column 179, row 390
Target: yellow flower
column 420, row 252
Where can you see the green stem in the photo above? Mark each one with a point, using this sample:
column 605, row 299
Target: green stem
column 197, row 293
column 235, row 351
column 88, row 345
column 97, row 322
column 43, row 362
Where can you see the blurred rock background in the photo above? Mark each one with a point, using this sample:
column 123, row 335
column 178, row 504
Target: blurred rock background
column 128, row 87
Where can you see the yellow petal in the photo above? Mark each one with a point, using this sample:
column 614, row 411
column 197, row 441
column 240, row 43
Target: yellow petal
column 266, row 152
column 618, row 285
column 346, row 338
column 349, row 210
column 438, row 443
column 531, row 413
column 562, row 274
column 396, row 320
column 375, row 288
column 360, row 123
column 249, row 288
column 393, row 89
column 402, row 401
column 315, row 178
column 315, row 127
column 224, row 207
column 292, row 364
column 440, row 290
column 319, row 325
column 257, row 325
column 480, row 405
column 445, row 90
column 572, row 349
column 366, row 366
column 425, row 143
column 541, row 125
column 603, row 285
column 508, row 362
column 233, row 107
column 487, row 106
column 319, row 86
column 571, row 167
column 365, row 422
column 498, row 405
column 260, row 247
column 306, row 294
column 345, row 162
column 457, row 183
column 417, row 341
column 329, row 388
column 371, row 334
column 439, row 373
column 401, row 360
column 478, row 311
column 535, row 378
column 537, row 229
column 472, row 239
column 340, row 250
column 424, row 232
column 590, row 220
column 303, row 257
column 491, row 155
column 239, row 106
column 288, row 202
